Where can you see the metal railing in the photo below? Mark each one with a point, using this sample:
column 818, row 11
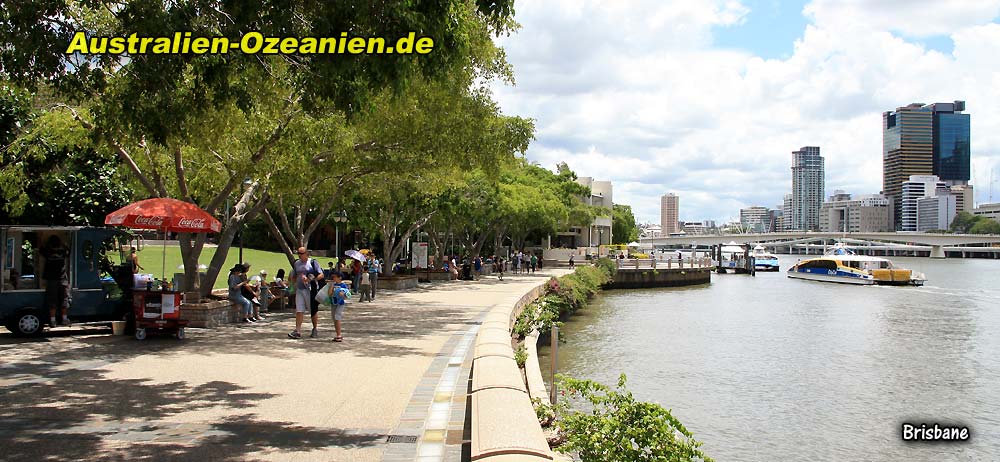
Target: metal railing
column 668, row 263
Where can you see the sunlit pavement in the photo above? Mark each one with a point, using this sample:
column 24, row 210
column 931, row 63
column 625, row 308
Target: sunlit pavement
column 248, row 392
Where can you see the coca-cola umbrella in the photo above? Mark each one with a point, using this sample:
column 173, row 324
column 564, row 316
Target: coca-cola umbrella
column 164, row 214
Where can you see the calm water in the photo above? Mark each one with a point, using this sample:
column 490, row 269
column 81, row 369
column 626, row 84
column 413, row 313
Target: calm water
column 768, row 368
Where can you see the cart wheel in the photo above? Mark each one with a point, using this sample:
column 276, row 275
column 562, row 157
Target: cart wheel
column 140, row 333
column 180, row 333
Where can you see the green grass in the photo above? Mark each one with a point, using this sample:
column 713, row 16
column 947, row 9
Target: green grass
column 152, row 259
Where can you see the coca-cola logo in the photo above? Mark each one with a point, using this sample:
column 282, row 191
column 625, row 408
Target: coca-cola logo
column 149, row 221
column 191, row 223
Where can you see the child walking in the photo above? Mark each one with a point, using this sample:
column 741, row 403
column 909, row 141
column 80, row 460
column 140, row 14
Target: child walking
column 366, row 287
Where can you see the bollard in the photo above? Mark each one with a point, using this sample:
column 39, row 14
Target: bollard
column 555, row 360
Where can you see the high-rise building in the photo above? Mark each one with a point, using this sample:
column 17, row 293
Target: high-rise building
column 916, row 188
column 935, row 212
column 919, row 139
column 807, row 188
column 755, row 219
column 786, row 212
column 669, row 207
column 952, row 137
column 964, row 197
column 870, row 213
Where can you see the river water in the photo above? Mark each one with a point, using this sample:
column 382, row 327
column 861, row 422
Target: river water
column 768, row 368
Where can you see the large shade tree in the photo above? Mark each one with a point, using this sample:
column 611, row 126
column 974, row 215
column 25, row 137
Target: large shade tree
column 157, row 113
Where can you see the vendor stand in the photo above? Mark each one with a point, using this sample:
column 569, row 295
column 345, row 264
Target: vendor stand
column 156, row 307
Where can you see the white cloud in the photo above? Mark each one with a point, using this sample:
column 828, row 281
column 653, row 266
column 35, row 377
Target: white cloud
column 634, row 93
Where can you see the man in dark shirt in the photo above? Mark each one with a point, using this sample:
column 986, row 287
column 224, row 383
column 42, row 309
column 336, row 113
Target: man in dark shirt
column 56, row 279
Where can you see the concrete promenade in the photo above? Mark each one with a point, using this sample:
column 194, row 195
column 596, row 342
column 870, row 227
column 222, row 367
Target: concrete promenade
column 395, row 389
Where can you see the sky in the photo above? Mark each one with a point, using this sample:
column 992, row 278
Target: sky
column 707, row 99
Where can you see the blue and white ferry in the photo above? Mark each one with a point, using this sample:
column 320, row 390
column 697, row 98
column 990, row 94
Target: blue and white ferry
column 764, row 260
column 844, row 266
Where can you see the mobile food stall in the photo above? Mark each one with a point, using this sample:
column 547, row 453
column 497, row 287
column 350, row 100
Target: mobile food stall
column 156, row 307
column 97, row 289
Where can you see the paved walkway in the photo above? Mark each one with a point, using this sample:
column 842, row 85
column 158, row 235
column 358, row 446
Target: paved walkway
column 393, row 390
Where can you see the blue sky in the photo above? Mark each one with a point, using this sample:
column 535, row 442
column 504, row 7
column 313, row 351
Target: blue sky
column 708, row 99
column 769, row 29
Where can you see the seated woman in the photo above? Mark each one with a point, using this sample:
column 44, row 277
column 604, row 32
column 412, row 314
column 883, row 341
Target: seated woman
column 237, row 282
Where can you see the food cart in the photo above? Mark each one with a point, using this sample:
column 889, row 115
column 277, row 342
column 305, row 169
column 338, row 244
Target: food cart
column 156, row 307
column 157, row 311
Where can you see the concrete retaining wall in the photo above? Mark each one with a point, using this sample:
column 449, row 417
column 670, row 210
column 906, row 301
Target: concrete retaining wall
column 504, row 425
column 397, row 282
column 660, row 277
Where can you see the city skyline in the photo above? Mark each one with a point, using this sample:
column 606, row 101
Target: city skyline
column 684, row 97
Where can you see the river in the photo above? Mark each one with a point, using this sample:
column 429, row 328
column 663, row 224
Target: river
column 769, row 368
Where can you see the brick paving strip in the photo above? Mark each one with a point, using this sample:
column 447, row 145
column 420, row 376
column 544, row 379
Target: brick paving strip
column 395, row 389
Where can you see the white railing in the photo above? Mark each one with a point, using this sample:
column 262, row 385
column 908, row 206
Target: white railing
column 667, row 263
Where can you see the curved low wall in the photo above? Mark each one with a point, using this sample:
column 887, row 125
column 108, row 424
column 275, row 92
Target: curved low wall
column 504, row 425
column 627, row 278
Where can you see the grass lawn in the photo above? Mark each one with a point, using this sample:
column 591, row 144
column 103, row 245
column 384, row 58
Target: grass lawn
column 152, row 259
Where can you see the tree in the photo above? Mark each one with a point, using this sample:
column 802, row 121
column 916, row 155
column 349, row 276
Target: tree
column 164, row 115
column 985, row 226
column 963, row 222
column 80, row 184
column 623, row 226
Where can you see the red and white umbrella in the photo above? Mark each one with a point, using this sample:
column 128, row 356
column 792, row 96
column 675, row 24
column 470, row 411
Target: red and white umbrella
column 164, row 214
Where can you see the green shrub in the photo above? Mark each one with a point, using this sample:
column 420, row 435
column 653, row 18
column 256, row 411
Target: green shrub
column 563, row 296
column 614, row 427
column 521, row 356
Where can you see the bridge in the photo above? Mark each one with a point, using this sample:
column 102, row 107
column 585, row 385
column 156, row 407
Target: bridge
column 936, row 242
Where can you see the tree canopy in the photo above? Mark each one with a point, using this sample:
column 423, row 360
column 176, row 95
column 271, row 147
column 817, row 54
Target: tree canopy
column 623, row 226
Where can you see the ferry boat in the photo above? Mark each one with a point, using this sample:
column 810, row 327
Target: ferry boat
column 764, row 260
column 732, row 258
column 844, row 266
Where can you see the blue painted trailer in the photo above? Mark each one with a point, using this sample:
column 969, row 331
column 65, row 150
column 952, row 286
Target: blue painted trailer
column 94, row 294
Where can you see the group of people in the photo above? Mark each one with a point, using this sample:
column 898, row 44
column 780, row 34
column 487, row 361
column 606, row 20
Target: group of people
column 308, row 286
column 521, row 262
column 251, row 293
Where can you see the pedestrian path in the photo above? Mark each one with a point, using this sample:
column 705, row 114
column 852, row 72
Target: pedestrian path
column 393, row 390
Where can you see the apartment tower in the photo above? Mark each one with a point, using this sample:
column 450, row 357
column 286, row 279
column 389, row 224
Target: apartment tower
column 807, row 188
column 669, row 206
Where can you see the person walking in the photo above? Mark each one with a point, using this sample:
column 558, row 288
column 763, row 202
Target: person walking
column 534, row 262
column 355, row 275
column 339, row 292
column 571, row 263
column 373, row 271
column 306, row 273
column 236, row 284
column 56, row 276
column 366, row 286
column 498, row 267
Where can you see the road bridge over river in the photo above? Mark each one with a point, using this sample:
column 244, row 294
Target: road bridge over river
column 937, row 243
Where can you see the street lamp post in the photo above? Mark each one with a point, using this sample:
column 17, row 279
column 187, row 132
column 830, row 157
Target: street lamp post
column 600, row 241
column 338, row 218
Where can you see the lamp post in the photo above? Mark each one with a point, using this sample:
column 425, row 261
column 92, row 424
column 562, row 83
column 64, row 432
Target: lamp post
column 338, row 218
column 600, row 241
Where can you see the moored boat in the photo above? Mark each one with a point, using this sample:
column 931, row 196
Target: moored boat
column 843, row 266
column 764, row 260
